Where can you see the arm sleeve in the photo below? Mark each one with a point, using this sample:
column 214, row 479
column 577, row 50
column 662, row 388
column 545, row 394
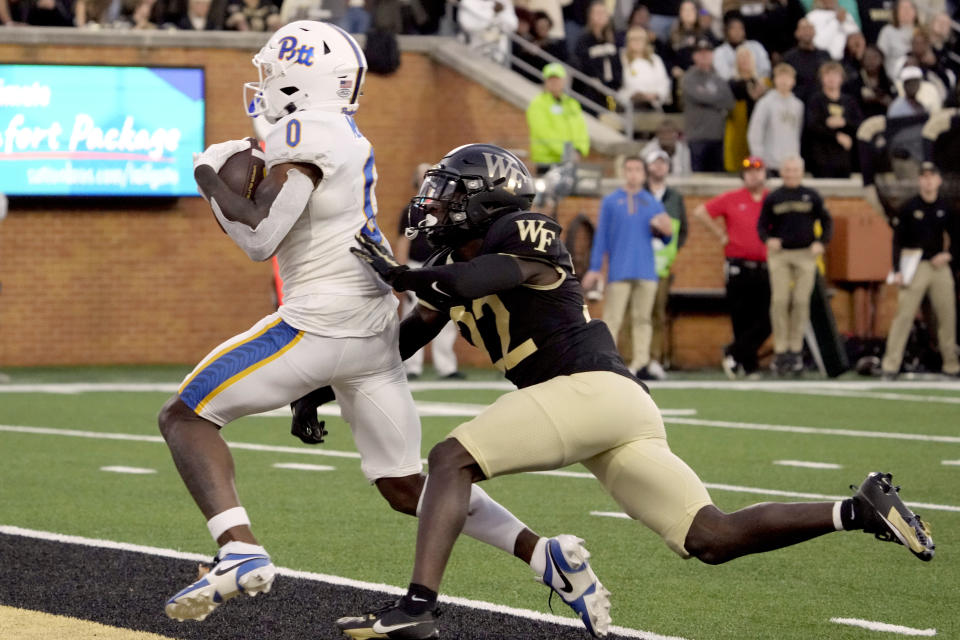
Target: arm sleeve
column 599, row 249
column 481, row 276
column 416, row 332
column 764, row 221
column 826, row 222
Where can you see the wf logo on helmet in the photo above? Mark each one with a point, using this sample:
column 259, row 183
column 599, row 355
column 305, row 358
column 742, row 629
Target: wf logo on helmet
column 500, row 166
column 289, row 51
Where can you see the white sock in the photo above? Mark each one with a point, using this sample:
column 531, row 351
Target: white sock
column 538, row 562
column 241, row 547
column 487, row 520
column 233, row 517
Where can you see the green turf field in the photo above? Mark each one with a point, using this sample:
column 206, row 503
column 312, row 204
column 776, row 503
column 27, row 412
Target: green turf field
column 332, row 522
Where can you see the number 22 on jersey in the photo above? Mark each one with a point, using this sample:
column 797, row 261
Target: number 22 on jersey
column 504, row 358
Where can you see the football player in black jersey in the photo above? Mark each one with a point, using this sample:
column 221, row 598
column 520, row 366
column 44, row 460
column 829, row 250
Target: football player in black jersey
column 503, row 275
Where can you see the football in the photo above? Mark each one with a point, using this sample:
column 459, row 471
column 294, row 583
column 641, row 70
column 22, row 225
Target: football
column 244, row 170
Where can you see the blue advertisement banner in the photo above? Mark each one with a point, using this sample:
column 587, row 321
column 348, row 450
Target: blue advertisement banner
column 99, row 131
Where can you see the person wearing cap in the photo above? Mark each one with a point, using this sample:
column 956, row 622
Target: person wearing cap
column 658, row 166
column 906, row 104
column 707, row 100
column 629, row 219
column 777, row 121
column 745, row 266
column 788, row 226
column 555, row 120
column 920, row 225
column 830, row 126
column 667, row 138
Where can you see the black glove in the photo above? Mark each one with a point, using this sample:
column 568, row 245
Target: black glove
column 380, row 258
column 305, row 424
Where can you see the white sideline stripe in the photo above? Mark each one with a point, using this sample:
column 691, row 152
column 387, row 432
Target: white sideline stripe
column 436, row 409
column 353, row 454
column 299, row 466
column 855, row 433
column 808, row 465
column 321, row 577
column 134, row 470
column 955, row 463
column 883, row 626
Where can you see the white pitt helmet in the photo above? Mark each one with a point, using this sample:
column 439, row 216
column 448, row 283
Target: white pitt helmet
column 306, row 65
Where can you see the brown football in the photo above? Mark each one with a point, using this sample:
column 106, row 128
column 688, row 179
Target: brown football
column 244, row 170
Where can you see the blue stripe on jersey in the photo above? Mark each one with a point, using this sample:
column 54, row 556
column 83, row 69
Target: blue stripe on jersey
column 370, row 229
column 237, row 359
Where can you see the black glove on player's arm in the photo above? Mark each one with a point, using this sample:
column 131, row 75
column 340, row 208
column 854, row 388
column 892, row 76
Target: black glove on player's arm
column 305, row 424
column 379, row 257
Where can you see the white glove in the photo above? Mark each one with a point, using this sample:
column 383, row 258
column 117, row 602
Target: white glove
column 216, row 155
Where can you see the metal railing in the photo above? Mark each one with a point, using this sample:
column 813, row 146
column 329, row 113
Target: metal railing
column 624, row 119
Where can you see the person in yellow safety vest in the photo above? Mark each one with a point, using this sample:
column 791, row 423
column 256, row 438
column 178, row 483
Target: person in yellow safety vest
column 555, row 119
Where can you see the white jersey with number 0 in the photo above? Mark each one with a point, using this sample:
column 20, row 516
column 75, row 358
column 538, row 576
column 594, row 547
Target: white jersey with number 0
column 326, row 289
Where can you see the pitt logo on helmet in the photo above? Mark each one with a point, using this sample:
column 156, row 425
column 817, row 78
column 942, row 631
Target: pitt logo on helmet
column 289, row 51
column 539, row 236
column 501, row 166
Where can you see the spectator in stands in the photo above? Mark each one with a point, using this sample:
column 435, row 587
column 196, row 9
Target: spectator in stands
column 45, row 13
column 553, row 12
column 725, row 56
column 629, row 219
column 895, row 38
column 874, row 16
column 777, row 121
column 832, row 25
column 640, row 17
column 920, row 225
column 906, row 105
column 871, row 87
column 141, row 18
column 683, row 36
column 830, row 126
column 668, row 138
column 771, row 22
column 95, row 13
column 745, row 266
column 788, row 227
column 852, row 60
column 663, row 15
column 539, row 36
column 747, row 87
column 252, row 15
column 645, row 81
column 197, row 17
column 943, row 39
column 414, row 252
column 658, row 166
column 807, row 60
column 934, row 69
column 707, row 101
column 5, row 16
column 598, row 56
column 485, row 24
column 555, row 121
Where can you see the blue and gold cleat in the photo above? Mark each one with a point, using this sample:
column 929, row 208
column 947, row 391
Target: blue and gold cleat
column 230, row 576
column 569, row 575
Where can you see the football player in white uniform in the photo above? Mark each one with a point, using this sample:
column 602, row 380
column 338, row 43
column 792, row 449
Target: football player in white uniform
column 337, row 327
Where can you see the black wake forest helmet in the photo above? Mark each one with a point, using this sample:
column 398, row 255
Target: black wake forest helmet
column 466, row 191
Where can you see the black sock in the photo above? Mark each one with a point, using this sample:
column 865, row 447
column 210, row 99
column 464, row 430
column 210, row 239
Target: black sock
column 419, row 599
column 850, row 515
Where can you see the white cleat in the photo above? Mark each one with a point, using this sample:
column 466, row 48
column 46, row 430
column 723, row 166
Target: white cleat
column 230, row 576
column 569, row 574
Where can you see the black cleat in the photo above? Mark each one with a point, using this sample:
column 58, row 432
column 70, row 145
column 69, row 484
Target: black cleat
column 885, row 516
column 390, row 621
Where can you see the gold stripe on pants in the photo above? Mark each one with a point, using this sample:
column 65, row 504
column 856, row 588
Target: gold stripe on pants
column 639, row 294
column 937, row 282
column 790, row 306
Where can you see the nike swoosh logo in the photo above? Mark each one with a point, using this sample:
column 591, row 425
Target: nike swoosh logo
column 567, row 587
column 433, row 285
column 379, row 627
column 221, row 571
column 416, row 599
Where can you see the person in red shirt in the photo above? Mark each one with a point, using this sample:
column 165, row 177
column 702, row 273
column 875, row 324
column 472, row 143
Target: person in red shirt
column 745, row 268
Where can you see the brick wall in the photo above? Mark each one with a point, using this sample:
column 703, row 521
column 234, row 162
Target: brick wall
column 153, row 283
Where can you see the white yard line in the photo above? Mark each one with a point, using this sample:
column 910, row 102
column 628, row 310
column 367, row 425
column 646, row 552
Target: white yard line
column 883, row 626
column 854, row 433
column 131, row 470
column 329, row 579
column 807, row 465
column 249, row 446
column 952, row 463
column 299, row 466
